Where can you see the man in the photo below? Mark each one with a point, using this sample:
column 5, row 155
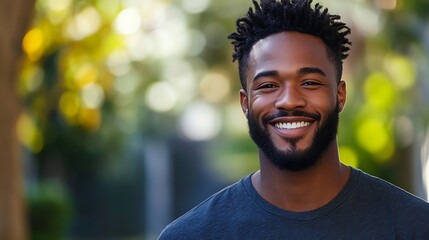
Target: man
column 290, row 65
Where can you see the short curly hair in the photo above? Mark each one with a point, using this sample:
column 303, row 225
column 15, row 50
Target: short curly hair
column 271, row 16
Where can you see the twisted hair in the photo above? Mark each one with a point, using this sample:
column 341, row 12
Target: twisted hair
column 271, row 16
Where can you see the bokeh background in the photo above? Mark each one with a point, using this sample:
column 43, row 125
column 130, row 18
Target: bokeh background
column 127, row 111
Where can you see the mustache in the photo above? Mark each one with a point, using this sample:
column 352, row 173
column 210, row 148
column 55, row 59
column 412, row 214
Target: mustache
column 295, row 113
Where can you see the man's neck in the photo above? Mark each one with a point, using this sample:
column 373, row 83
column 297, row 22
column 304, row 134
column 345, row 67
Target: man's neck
column 306, row 190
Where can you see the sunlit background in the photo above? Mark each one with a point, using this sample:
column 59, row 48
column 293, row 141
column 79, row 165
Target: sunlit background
column 131, row 114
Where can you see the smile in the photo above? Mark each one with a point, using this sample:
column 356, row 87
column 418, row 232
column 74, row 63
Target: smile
column 293, row 125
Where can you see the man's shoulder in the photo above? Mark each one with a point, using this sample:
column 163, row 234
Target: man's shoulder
column 383, row 187
column 211, row 212
column 394, row 197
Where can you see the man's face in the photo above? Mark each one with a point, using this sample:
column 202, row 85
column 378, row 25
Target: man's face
column 292, row 100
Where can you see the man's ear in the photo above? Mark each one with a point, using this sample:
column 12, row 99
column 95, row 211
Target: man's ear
column 243, row 102
column 341, row 95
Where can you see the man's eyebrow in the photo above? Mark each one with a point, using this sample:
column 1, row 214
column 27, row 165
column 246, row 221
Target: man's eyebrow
column 308, row 70
column 269, row 73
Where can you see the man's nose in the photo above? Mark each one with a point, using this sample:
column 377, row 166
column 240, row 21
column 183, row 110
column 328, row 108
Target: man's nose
column 290, row 98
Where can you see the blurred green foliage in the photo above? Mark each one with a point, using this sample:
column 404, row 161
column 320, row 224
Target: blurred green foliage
column 50, row 212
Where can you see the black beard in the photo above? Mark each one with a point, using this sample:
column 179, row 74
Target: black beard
column 293, row 159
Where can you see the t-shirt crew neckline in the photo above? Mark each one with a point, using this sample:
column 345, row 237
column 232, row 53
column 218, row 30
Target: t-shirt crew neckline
column 307, row 216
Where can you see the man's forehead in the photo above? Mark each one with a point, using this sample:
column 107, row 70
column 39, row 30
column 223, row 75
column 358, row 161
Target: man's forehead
column 287, row 41
column 291, row 45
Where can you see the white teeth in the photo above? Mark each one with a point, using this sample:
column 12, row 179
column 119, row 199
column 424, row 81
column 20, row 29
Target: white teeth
column 293, row 125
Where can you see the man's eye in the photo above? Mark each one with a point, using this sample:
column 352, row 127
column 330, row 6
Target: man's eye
column 268, row 85
column 311, row 83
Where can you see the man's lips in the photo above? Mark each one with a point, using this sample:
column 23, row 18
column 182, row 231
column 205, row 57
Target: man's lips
column 291, row 123
column 292, row 115
column 291, row 126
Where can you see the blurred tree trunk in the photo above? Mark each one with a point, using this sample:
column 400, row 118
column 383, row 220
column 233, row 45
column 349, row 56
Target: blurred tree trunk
column 15, row 17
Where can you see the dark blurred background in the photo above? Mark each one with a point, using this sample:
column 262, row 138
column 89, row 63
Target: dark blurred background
column 127, row 111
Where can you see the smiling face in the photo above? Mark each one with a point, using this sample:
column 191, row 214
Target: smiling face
column 292, row 99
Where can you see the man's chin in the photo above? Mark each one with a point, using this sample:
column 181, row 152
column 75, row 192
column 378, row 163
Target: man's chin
column 288, row 161
column 290, row 145
column 292, row 155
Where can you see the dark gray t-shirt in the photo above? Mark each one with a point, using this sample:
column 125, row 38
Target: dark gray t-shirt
column 366, row 208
